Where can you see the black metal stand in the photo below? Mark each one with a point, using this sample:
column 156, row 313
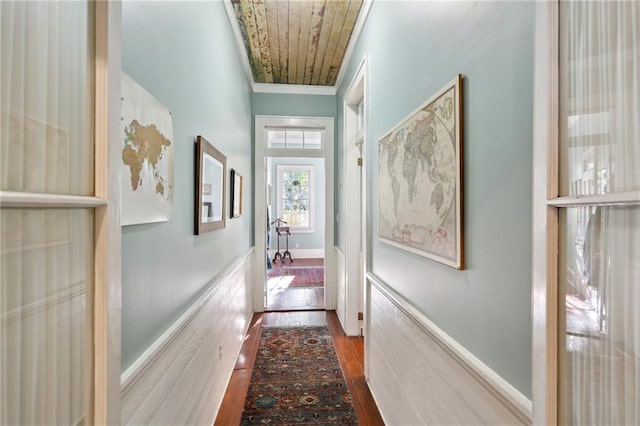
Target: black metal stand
column 282, row 230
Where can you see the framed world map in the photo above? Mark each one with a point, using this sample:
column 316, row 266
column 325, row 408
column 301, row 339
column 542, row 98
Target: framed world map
column 420, row 179
column 147, row 168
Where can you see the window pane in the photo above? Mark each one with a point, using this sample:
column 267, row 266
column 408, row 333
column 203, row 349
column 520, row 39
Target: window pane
column 46, row 111
column 298, row 218
column 294, row 139
column 46, row 258
column 312, row 139
column 296, row 197
column 600, row 284
column 275, row 139
column 600, row 97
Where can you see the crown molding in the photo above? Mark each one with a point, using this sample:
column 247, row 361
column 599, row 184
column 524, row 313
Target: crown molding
column 293, row 89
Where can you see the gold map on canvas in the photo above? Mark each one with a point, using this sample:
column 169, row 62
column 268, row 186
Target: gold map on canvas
column 145, row 145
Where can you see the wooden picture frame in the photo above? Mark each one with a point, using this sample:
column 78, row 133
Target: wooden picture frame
column 211, row 172
column 420, row 179
column 236, row 194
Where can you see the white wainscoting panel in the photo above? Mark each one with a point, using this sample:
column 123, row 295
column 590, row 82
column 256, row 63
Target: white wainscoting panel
column 341, row 288
column 419, row 375
column 182, row 378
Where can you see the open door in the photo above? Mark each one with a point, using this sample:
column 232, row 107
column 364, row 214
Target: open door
column 352, row 294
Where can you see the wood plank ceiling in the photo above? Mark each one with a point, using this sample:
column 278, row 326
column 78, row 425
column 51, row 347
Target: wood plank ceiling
column 296, row 41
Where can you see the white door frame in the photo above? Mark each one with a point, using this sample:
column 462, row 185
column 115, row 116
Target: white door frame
column 355, row 204
column 262, row 124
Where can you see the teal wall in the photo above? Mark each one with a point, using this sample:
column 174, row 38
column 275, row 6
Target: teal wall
column 303, row 240
column 185, row 55
column 413, row 49
column 294, row 105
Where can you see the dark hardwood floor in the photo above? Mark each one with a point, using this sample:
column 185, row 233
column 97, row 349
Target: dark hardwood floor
column 350, row 351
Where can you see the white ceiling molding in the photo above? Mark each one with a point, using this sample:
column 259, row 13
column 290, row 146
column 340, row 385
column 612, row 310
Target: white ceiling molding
column 293, row 89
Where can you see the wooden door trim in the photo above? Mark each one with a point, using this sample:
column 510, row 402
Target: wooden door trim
column 106, row 387
column 11, row 199
column 545, row 217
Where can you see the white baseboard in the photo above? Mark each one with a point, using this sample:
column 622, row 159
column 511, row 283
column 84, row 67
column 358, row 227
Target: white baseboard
column 418, row 374
column 182, row 377
column 301, row 253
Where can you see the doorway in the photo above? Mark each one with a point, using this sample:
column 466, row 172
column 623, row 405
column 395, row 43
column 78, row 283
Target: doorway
column 294, row 268
column 295, row 229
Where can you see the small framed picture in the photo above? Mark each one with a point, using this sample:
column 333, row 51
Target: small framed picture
column 236, row 194
column 211, row 169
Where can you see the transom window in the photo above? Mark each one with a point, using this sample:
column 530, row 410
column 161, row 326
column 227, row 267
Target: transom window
column 296, row 197
column 294, row 139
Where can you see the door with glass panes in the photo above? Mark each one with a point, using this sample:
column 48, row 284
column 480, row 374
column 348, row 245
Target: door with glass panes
column 53, row 212
column 591, row 183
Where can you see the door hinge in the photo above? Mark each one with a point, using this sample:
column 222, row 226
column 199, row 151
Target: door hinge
column 359, row 161
column 360, row 316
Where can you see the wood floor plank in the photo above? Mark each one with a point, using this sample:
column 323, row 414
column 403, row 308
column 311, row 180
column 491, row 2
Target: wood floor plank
column 352, row 362
column 350, row 351
column 297, row 299
column 249, row 348
column 230, row 411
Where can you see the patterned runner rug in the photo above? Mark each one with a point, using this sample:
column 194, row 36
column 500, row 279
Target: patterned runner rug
column 296, row 276
column 297, row 380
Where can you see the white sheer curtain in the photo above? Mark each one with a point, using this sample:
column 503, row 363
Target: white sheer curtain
column 46, row 255
column 46, row 97
column 600, row 252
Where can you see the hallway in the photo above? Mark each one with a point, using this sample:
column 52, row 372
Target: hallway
column 350, row 351
column 459, row 179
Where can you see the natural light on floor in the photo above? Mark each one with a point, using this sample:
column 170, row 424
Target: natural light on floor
column 280, row 283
